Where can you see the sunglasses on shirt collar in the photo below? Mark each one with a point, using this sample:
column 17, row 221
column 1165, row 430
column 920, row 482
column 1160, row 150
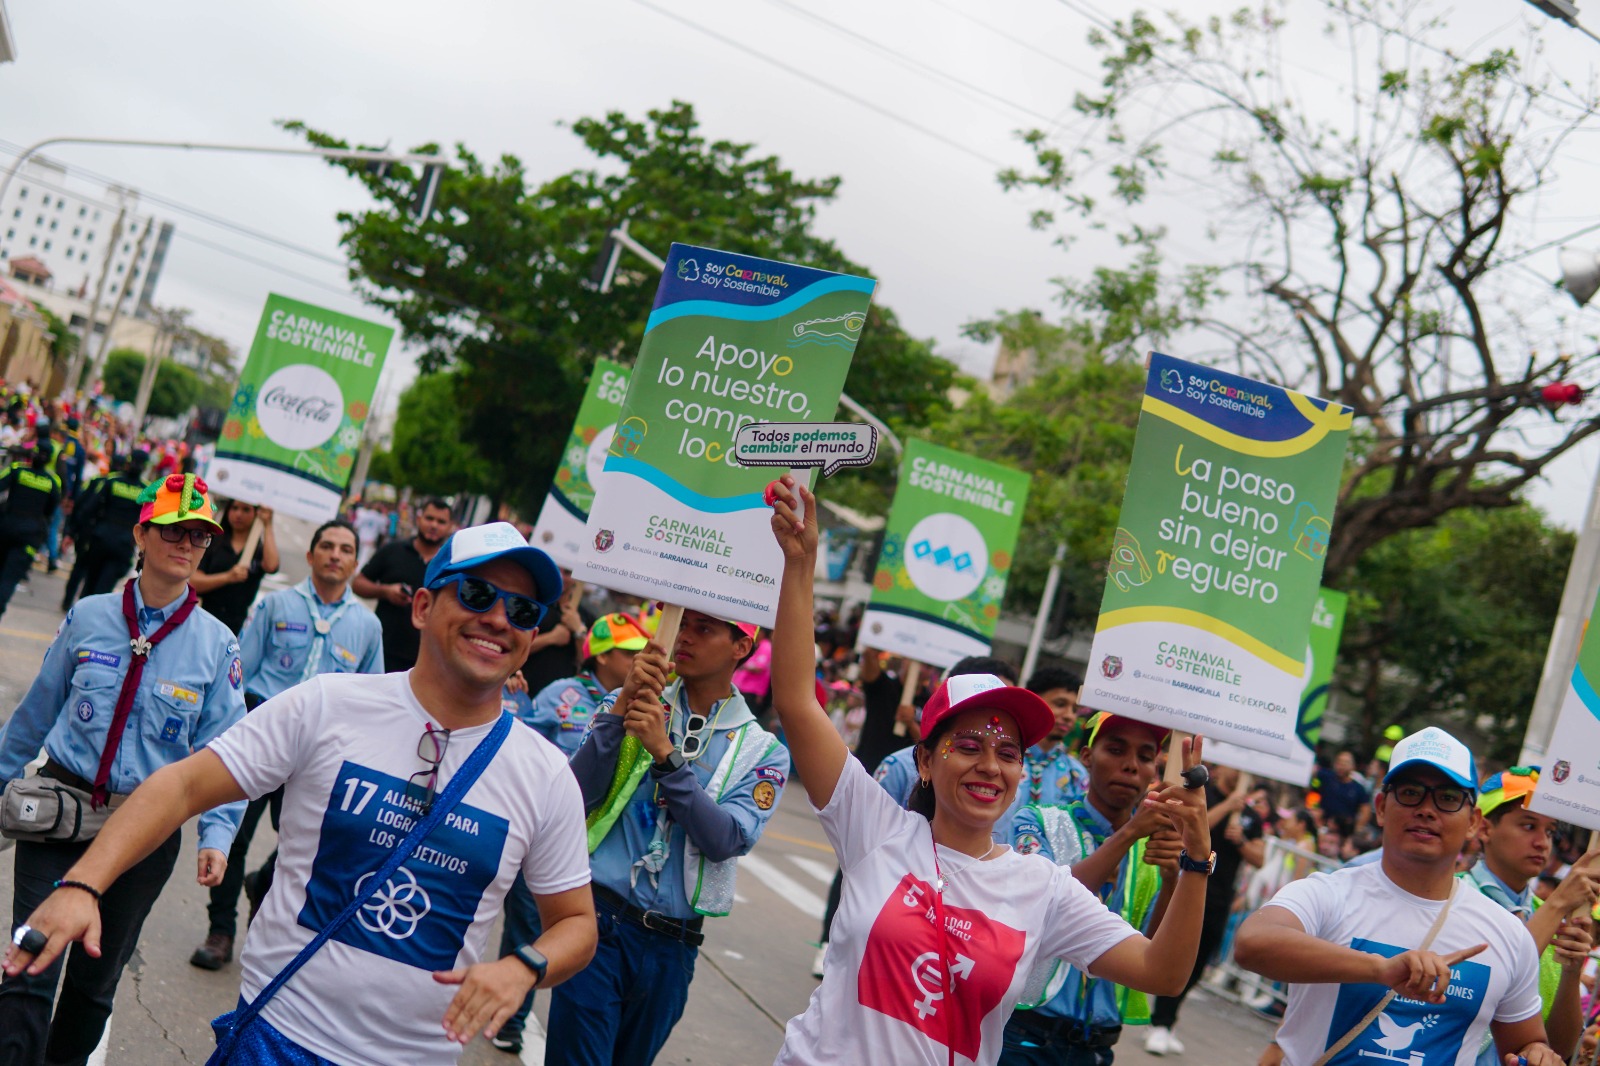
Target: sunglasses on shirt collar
column 479, row 596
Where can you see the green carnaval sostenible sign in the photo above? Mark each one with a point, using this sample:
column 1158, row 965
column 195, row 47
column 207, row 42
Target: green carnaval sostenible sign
column 1217, row 557
column 947, row 551
column 559, row 530
column 732, row 340
column 291, row 435
column 1569, row 781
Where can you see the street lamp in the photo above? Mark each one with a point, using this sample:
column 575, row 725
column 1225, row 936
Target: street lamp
column 1564, row 11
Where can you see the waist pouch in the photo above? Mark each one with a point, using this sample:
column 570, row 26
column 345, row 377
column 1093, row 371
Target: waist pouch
column 48, row 809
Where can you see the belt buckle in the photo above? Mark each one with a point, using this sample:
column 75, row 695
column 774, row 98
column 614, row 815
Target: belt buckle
column 657, row 922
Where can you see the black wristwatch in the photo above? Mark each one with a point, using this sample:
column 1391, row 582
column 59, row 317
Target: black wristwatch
column 673, row 761
column 534, row 960
column 1195, row 867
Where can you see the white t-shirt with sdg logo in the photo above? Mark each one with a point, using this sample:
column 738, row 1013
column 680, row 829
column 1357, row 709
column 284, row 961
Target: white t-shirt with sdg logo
column 1360, row 907
column 886, row 996
column 344, row 746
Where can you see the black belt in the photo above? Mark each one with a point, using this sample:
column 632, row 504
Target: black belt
column 1068, row 1031
column 51, row 768
column 686, row 930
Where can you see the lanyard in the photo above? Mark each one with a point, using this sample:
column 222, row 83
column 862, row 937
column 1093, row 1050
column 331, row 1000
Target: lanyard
column 322, row 626
column 142, row 646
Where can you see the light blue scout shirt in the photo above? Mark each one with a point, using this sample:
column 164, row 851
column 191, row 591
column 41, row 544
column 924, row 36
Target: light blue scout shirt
column 563, row 709
column 897, row 774
column 282, row 632
column 1051, row 778
column 518, row 705
column 1096, row 1006
column 191, row 691
column 721, row 830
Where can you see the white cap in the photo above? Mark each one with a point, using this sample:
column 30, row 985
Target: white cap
column 1438, row 749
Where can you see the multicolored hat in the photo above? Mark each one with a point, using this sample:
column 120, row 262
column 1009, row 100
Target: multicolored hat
column 1508, row 786
column 177, row 498
column 1103, row 718
column 610, row 631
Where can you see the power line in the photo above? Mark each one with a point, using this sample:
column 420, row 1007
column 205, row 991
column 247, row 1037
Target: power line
column 1018, row 41
column 821, row 83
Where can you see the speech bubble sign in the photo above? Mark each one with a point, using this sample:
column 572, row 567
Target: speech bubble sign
column 825, row 446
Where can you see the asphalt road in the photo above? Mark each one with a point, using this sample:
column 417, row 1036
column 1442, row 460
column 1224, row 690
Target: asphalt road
column 752, row 975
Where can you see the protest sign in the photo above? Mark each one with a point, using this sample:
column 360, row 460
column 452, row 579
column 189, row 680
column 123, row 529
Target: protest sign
column 1217, row 556
column 733, row 340
column 1569, row 786
column 947, row 551
column 559, row 530
column 291, row 436
column 825, row 446
column 1296, row 768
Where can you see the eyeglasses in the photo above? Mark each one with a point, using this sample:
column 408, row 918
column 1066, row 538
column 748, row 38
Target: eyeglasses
column 200, row 538
column 478, row 596
column 1447, row 798
column 430, row 749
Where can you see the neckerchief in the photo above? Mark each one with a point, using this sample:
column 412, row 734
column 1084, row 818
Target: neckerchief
column 142, row 646
column 1497, row 890
column 322, row 626
column 1036, row 766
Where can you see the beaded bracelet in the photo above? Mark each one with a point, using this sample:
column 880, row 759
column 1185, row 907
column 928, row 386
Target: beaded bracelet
column 95, row 892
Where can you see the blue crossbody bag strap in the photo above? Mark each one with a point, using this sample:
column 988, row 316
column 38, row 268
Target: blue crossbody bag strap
column 463, row 780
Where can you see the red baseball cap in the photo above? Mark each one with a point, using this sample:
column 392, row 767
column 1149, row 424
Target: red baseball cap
column 986, row 692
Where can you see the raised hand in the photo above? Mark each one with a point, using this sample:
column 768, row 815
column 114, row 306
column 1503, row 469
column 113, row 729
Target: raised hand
column 797, row 539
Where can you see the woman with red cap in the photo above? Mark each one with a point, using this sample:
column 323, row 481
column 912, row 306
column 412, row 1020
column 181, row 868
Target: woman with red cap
column 939, row 926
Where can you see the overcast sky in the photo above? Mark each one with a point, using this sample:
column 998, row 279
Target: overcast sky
column 919, row 206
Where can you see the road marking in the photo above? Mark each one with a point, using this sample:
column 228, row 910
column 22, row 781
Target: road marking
column 822, row 871
column 785, row 837
column 44, row 637
column 791, row 890
column 733, row 954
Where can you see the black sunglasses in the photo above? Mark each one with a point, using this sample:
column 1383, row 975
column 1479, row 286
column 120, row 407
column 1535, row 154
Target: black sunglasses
column 430, row 749
column 200, row 538
column 1447, row 798
column 478, row 596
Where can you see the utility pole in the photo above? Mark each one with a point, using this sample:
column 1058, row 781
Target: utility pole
column 76, row 369
column 98, row 366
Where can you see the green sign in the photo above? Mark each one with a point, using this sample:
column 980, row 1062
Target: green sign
column 1296, row 768
column 294, row 428
column 733, row 340
column 1217, row 556
column 559, row 530
column 947, row 551
column 1569, row 781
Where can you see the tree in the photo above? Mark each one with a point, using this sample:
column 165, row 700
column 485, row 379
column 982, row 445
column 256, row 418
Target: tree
column 429, row 454
column 176, row 387
column 1440, row 633
column 63, row 342
column 1376, row 262
column 495, row 281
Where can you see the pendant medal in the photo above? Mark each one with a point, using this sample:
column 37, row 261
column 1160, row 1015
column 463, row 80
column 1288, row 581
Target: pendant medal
column 324, row 627
column 141, row 645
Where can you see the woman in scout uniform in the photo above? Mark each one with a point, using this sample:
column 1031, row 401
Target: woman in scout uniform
column 1126, row 854
column 940, row 926
column 1517, row 844
column 134, row 680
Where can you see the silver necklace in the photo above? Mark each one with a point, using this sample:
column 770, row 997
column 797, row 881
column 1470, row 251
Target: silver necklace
column 939, row 879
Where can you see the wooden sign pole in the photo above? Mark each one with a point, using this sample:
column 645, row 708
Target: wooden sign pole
column 907, row 691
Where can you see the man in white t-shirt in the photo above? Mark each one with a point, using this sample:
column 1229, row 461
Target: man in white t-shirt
column 1343, row 939
column 361, row 757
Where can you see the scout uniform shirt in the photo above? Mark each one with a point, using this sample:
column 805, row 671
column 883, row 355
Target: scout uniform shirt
column 1052, row 778
column 1521, row 905
column 563, row 709
column 636, row 859
column 191, row 691
column 281, row 638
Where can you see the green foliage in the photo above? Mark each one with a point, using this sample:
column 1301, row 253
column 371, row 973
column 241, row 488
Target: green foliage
column 495, row 281
column 429, row 454
column 1448, row 626
column 176, row 387
column 63, row 342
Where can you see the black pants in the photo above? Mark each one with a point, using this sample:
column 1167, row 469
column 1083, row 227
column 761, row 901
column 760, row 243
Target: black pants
column 224, row 906
column 1212, row 929
column 16, row 559
column 96, row 569
column 29, row 1036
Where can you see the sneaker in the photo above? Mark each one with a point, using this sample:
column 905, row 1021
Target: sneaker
column 816, row 963
column 1158, row 1041
column 1174, row 1045
column 510, row 1043
column 214, row 954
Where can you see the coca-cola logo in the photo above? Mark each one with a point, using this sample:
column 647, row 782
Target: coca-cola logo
column 317, row 408
column 299, row 407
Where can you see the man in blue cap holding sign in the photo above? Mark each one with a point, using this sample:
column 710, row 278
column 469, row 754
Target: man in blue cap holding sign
column 1399, row 959
column 364, row 761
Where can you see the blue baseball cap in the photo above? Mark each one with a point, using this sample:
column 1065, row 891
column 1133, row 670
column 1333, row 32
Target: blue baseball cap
column 472, row 547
